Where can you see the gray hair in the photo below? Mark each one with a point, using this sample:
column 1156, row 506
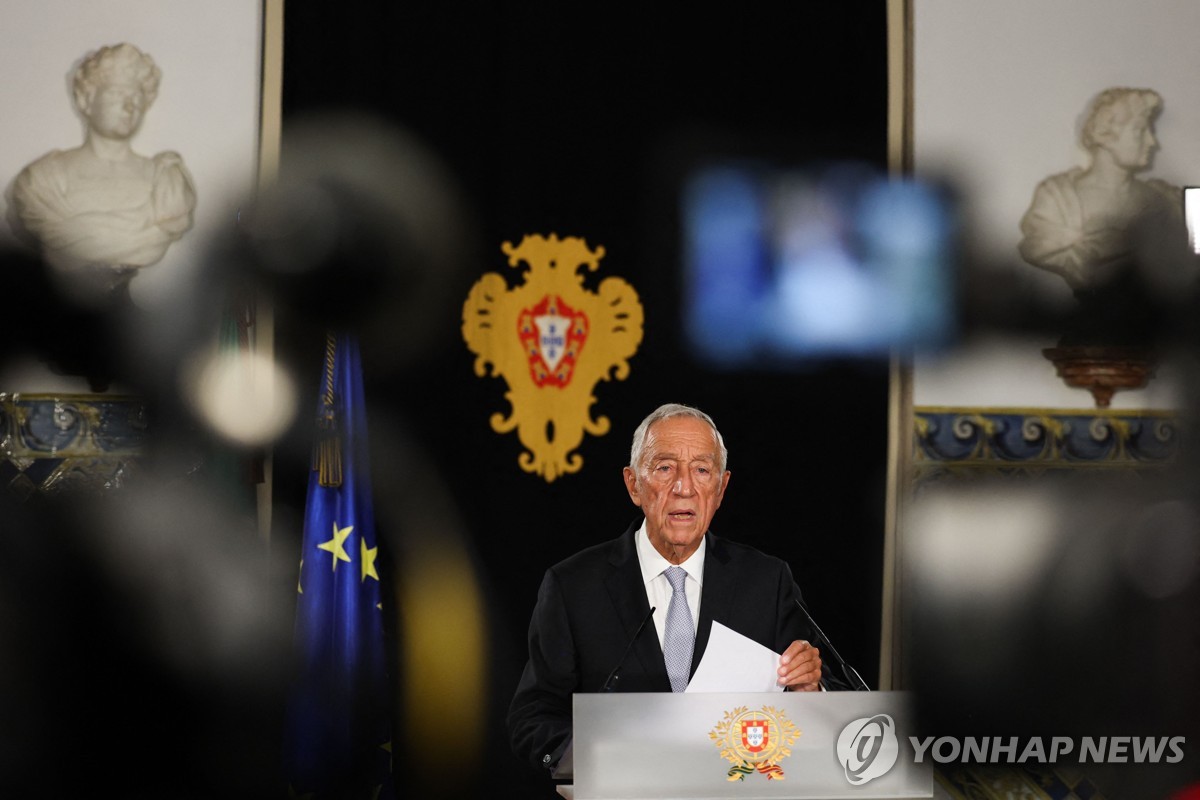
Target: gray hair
column 670, row 411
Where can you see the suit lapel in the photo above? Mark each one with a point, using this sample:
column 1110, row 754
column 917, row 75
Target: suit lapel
column 719, row 586
column 628, row 595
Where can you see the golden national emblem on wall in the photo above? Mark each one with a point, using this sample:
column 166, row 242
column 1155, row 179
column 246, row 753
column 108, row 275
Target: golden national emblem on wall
column 552, row 340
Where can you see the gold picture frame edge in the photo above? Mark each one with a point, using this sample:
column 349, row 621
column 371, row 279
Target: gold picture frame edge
column 899, row 488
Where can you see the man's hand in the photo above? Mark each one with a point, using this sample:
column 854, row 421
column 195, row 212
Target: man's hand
column 800, row 667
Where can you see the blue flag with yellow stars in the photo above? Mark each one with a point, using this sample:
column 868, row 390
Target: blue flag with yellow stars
column 338, row 742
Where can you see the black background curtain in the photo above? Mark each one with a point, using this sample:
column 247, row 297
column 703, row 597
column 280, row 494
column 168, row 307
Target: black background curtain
column 579, row 119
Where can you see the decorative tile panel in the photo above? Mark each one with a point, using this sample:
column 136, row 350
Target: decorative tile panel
column 964, row 441
column 49, row 443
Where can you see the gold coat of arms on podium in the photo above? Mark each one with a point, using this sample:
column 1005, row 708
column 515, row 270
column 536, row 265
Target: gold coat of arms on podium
column 755, row 741
column 552, row 340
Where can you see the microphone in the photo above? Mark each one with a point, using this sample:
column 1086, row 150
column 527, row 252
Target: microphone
column 847, row 670
column 612, row 678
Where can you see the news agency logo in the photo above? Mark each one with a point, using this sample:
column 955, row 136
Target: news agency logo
column 867, row 748
column 1036, row 750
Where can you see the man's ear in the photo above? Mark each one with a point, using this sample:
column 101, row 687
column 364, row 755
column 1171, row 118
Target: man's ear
column 720, row 495
column 631, row 485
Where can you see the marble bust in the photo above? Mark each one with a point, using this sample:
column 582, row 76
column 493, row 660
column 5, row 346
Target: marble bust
column 100, row 211
column 1081, row 222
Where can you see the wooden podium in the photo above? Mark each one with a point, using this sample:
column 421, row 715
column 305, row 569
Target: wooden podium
column 749, row 746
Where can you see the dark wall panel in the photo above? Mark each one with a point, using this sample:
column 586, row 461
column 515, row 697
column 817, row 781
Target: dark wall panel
column 580, row 121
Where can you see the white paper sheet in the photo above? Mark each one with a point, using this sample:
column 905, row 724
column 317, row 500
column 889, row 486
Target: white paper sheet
column 734, row 663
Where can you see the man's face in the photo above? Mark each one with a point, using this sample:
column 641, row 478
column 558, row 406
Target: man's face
column 677, row 485
column 115, row 110
column 1133, row 144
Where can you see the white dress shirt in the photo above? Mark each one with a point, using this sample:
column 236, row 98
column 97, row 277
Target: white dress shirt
column 658, row 588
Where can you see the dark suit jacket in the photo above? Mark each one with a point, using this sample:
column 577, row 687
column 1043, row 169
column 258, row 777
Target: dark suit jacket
column 589, row 609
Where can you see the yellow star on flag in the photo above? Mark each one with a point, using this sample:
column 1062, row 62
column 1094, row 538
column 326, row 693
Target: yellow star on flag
column 369, row 554
column 337, row 545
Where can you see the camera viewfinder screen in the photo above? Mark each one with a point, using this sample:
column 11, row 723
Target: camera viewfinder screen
column 782, row 266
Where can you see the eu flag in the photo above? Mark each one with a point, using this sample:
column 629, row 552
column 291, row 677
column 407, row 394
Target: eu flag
column 338, row 742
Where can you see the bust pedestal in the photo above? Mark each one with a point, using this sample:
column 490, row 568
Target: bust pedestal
column 1103, row 370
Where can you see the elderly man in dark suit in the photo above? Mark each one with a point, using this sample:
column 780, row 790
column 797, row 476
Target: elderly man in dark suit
column 589, row 631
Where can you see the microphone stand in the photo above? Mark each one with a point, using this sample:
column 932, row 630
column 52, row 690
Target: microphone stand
column 612, row 678
column 859, row 684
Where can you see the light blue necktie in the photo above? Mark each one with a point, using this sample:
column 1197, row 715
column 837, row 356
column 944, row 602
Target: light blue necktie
column 680, row 636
